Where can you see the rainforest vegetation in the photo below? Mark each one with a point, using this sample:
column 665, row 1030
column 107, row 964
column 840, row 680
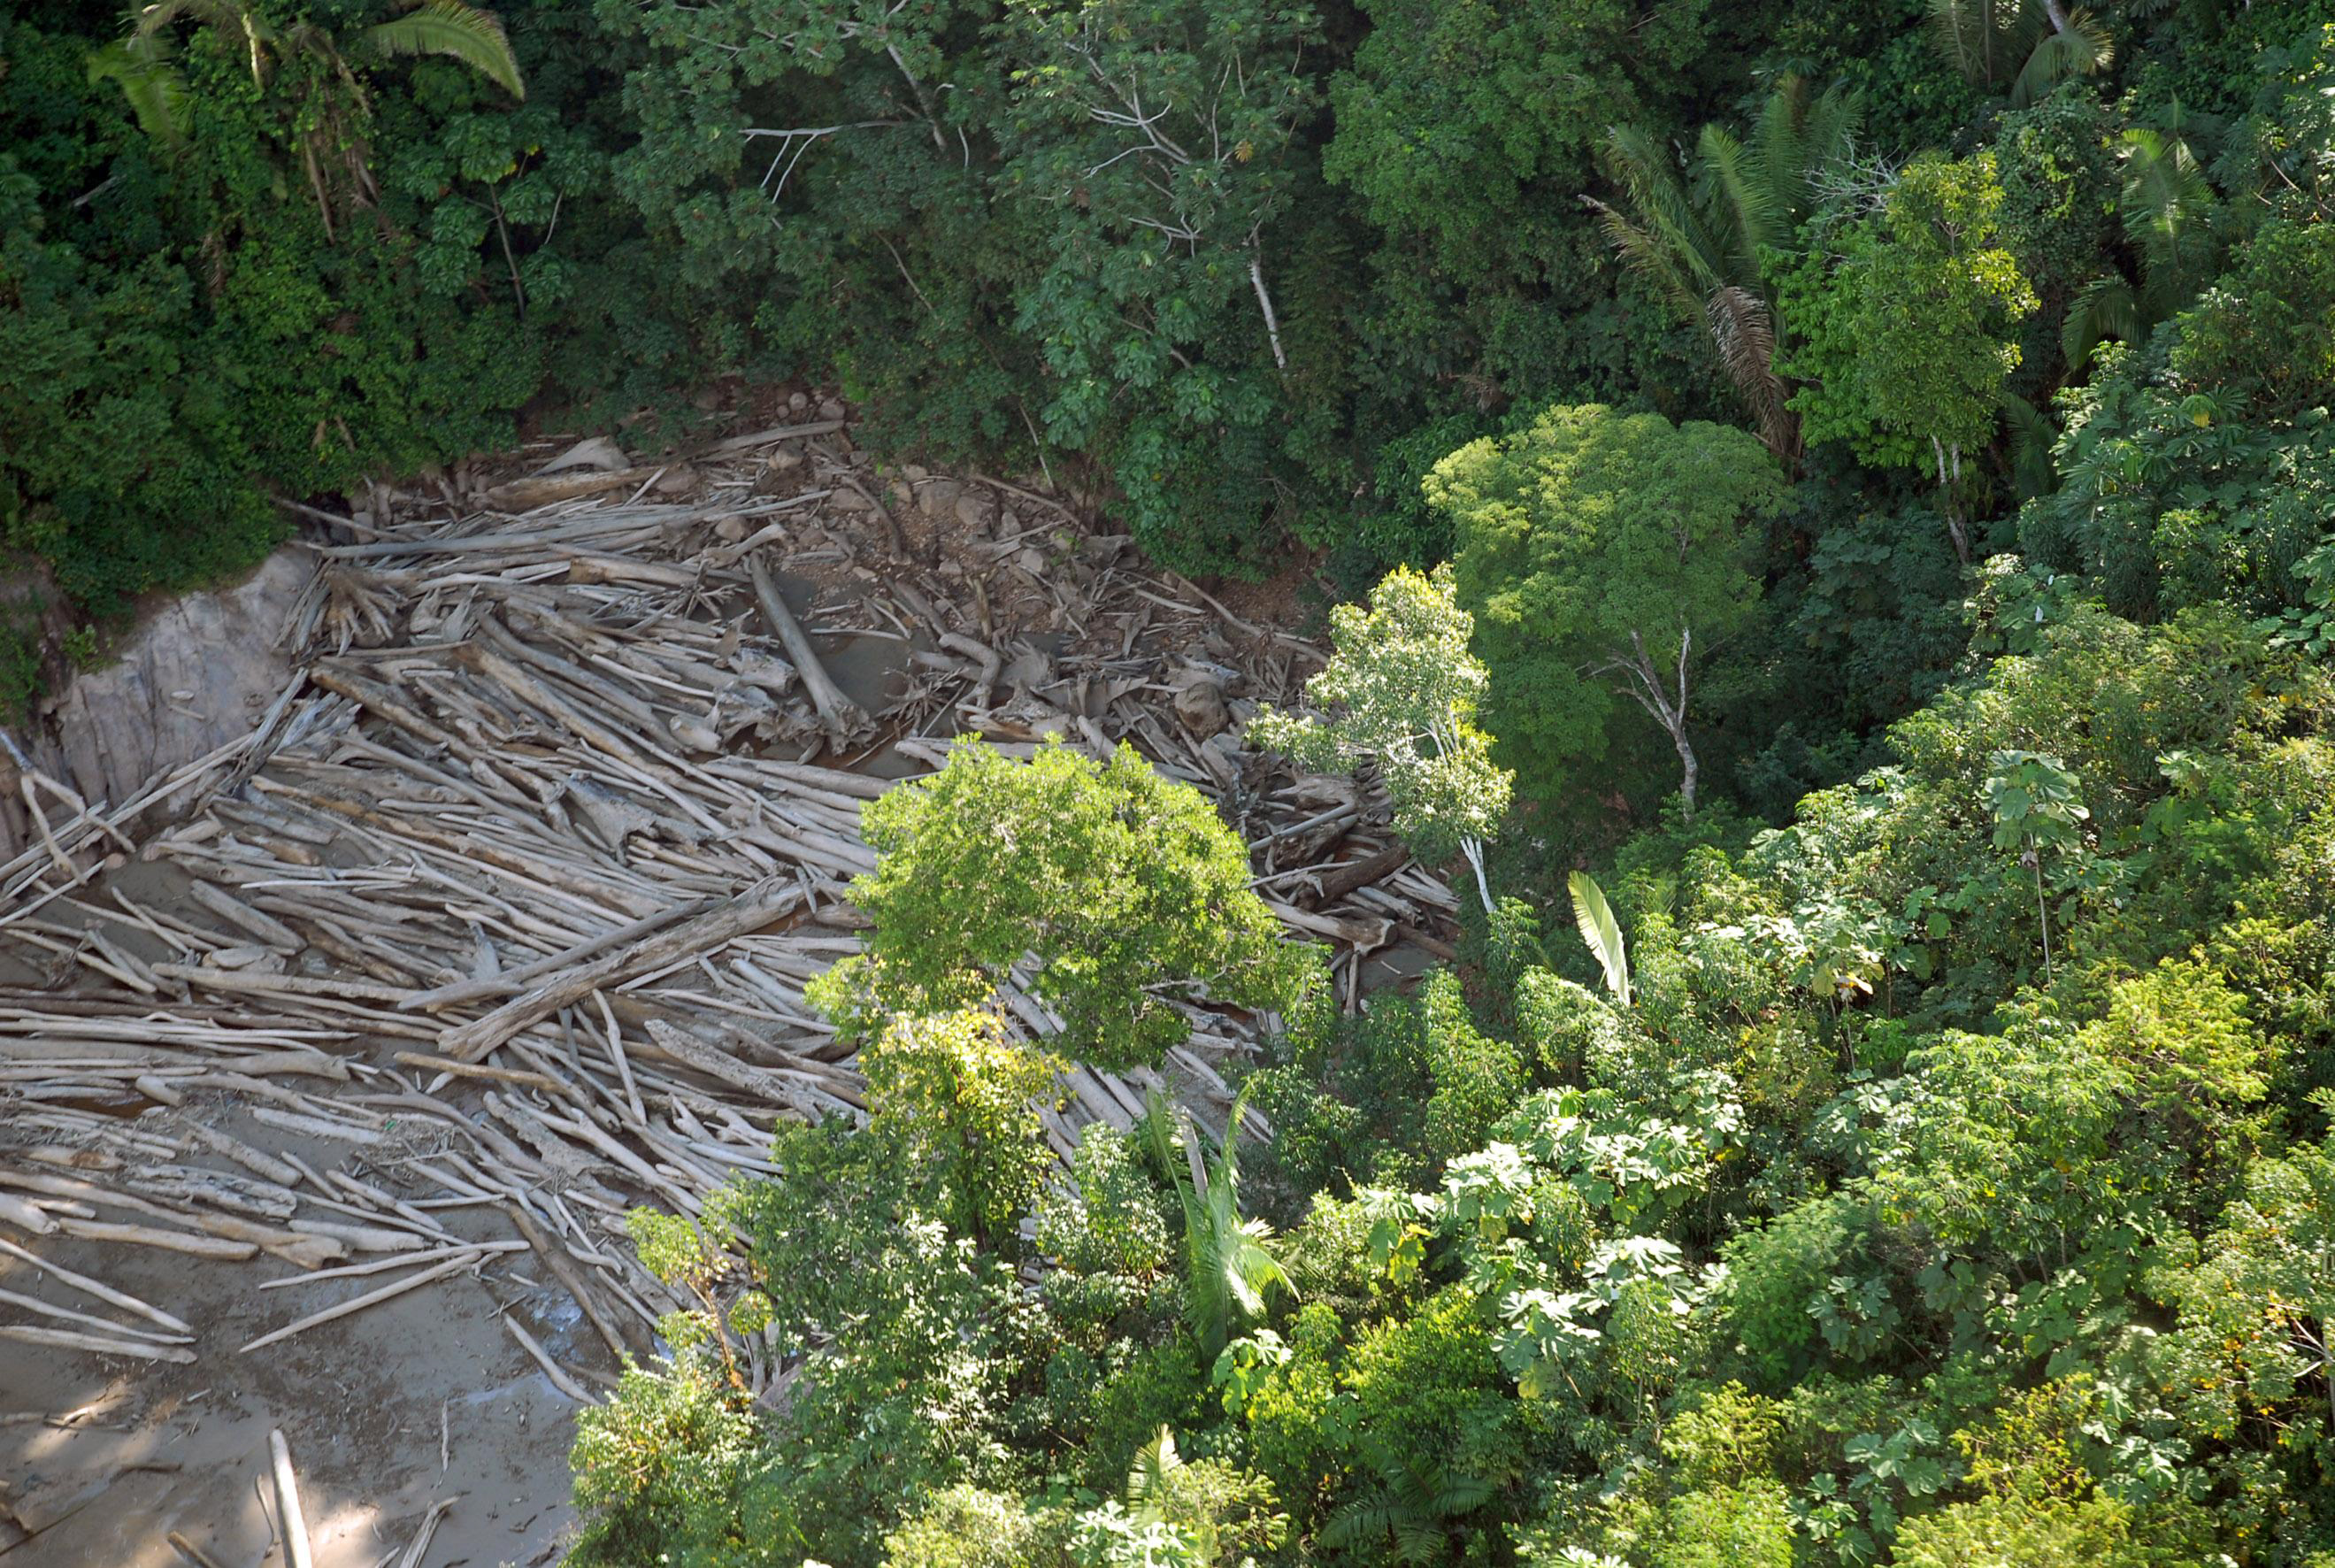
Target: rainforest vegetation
column 1836, row 504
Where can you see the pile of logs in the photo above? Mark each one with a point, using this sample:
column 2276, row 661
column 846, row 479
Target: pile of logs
column 509, row 899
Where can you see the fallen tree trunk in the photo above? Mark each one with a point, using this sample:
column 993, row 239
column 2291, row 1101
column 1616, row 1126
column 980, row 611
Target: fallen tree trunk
column 750, row 911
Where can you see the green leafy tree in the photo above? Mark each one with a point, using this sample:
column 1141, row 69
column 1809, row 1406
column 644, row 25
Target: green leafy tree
column 1937, row 297
column 1125, row 888
column 2258, row 1302
column 1459, row 125
column 968, row 1526
column 1600, row 553
column 1403, row 690
column 333, row 108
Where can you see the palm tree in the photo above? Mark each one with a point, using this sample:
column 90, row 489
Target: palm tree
column 1697, row 236
column 333, row 118
column 2035, row 45
column 1411, row 1511
column 1229, row 1268
column 2168, row 210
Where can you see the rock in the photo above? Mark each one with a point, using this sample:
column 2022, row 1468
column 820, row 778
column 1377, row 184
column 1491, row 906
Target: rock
column 937, row 495
column 1033, row 560
column 976, row 511
column 798, row 403
column 675, row 481
column 830, row 409
column 1200, row 704
column 729, row 528
column 114, row 729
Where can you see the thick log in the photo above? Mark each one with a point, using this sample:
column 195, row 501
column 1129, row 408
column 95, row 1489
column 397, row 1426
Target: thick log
column 751, row 911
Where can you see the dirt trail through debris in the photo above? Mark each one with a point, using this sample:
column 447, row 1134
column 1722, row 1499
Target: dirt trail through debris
column 496, row 926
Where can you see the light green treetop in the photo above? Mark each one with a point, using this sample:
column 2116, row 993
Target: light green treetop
column 1403, row 691
column 1125, row 889
column 1599, row 552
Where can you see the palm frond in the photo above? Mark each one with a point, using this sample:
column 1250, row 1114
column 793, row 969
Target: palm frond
column 1743, row 330
column 1829, row 134
column 2102, row 309
column 1147, row 1477
column 1986, row 39
column 1229, row 1268
column 2167, row 209
column 141, row 66
column 2083, row 49
column 1737, row 190
column 456, row 30
column 2032, row 473
column 1665, row 237
column 1780, row 141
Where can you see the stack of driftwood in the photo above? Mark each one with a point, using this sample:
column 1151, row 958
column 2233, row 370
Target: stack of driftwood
column 506, row 907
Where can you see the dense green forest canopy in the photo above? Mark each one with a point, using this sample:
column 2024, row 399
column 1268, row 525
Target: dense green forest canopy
column 1844, row 496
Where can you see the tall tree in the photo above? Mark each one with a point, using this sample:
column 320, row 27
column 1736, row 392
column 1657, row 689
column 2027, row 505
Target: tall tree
column 333, row 106
column 1601, row 553
column 1937, row 297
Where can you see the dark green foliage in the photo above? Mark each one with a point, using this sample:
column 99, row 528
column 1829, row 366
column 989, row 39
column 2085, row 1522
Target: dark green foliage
column 2198, row 468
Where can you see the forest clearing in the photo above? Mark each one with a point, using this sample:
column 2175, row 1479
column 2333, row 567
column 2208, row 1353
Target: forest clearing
column 496, row 926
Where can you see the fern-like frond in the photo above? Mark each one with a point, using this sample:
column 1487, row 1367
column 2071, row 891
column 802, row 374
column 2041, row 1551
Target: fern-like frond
column 2032, row 436
column 2168, row 207
column 453, row 29
column 1985, row 39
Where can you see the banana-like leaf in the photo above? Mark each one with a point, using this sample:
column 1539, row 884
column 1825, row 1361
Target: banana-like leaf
column 1602, row 932
column 452, row 28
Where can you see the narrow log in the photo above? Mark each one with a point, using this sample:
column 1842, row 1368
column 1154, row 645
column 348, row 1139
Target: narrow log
column 88, row 1320
column 359, row 1303
column 292, row 1521
column 513, row 981
column 169, row 1241
column 554, row 1257
column 97, row 1288
column 551, row 1369
column 66, row 1339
